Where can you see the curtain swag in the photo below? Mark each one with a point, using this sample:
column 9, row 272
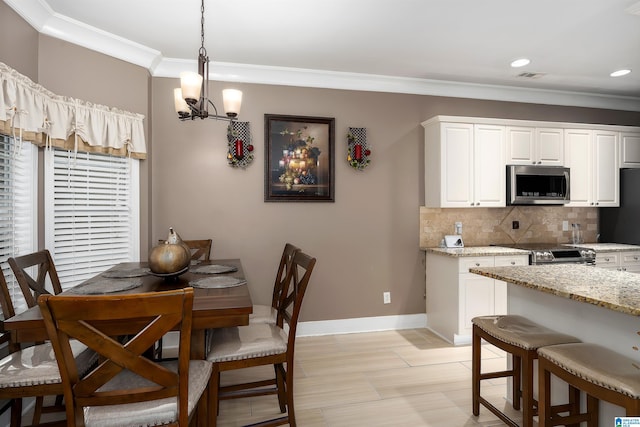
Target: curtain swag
column 29, row 111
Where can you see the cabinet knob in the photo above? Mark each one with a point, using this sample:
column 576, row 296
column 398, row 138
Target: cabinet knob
column 478, row 204
column 606, row 259
column 472, row 204
column 477, row 264
column 635, row 258
column 513, row 263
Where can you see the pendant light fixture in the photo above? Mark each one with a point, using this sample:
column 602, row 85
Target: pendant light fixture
column 191, row 98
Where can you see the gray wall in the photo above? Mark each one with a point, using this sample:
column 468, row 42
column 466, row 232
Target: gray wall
column 366, row 242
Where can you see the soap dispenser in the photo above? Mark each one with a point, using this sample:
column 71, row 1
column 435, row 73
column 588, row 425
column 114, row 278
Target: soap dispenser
column 576, row 234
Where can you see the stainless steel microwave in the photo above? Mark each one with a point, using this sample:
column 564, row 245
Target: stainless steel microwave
column 537, row 185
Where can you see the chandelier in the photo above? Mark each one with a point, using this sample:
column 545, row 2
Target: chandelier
column 191, row 98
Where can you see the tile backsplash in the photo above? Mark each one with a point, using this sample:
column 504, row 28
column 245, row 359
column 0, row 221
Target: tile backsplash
column 485, row 226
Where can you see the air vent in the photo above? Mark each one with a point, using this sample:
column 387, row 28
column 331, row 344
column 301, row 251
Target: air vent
column 528, row 75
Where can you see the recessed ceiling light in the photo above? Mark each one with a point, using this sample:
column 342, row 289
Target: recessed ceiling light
column 520, row 62
column 619, row 73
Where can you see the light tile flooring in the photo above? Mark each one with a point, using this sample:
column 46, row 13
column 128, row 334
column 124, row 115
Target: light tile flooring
column 395, row 378
column 399, row 378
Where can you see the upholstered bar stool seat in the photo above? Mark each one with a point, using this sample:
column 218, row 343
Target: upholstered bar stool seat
column 521, row 338
column 601, row 373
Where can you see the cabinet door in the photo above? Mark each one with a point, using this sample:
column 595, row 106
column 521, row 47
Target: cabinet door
column 476, row 299
column 606, row 177
column 577, row 145
column 489, row 166
column 629, row 150
column 550, row 146
column 630, row 262
column 457, row 165
column 520, row 142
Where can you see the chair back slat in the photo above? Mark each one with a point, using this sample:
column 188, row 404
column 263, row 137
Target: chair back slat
column 85, row 318
column 33, row 288
column 283, row 273
column 294, row 288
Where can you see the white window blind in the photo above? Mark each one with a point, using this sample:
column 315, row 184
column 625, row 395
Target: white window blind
column 91, row 213
column 18, row 225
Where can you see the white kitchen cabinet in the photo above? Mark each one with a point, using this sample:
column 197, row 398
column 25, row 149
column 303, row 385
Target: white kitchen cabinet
column 535, row 146
column 592, row 156
column 629, row 150
column 455, row 296
column 621, row 261
column 464, row 165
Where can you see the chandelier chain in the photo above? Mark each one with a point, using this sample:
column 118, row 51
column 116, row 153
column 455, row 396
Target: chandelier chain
column 202, row 24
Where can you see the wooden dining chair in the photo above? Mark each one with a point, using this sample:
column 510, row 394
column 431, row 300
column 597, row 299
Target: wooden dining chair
column 33, row 371
column 33, row 288
column 267, row 313
column 200, row 249
column 263, row 344
column 127, row 387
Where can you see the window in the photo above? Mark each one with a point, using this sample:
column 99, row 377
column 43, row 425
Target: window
column 91, row 212
column 18, row 224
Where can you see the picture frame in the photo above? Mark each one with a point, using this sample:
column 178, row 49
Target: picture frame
column 299, row 158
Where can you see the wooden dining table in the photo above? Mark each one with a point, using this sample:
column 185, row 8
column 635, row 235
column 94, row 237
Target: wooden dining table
column 213, row 307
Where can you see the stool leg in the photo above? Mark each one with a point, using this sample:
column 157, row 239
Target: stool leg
column 475, row 370
column 574, row 404
column 544, row 395
column 593, row 410
column 516, row 361
column 527, row 389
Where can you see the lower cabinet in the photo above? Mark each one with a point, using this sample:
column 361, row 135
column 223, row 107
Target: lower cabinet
column 455, row 296
column 621, row 261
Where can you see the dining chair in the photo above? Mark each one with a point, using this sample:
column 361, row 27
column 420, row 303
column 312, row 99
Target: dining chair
column 263, row 344
column 127, row 387
column 33, row 371
column 265, row 313
column 200, row 251
column 33, row 288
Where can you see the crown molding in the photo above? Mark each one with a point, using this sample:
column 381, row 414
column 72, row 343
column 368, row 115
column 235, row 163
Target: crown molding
column 40, row 16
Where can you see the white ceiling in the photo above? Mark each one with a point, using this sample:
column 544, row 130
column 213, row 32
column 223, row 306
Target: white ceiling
column 440, row 47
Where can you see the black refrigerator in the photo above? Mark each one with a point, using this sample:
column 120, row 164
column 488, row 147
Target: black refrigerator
column 622, row 225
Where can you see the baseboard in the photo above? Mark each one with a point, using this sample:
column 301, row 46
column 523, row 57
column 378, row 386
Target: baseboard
column 361, row 324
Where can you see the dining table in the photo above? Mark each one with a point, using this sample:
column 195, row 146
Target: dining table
column 221, row 298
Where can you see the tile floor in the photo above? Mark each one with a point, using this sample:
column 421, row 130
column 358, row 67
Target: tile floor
column 405, row 378
column 395, row 378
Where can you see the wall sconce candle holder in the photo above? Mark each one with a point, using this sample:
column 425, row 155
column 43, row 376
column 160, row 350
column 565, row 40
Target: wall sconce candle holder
column 358, row 150
column 240, row 149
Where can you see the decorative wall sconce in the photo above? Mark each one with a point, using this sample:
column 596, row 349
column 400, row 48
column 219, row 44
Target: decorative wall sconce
column 240, row 149
column 358, row 150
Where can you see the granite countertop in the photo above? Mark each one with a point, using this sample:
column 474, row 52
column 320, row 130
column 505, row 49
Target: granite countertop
column 616, row 290
column 477, row 251
column 607, row 247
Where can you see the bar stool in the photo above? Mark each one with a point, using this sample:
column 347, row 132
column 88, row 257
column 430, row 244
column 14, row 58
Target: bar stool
column 521, row 338
column 601, row 373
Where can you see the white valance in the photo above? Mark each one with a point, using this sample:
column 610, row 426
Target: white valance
column 41, row 116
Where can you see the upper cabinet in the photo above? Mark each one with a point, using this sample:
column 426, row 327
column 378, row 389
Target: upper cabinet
column 630, row 149
column 592, row 156
column 535, row 146
column 464, row 165
column 466, row 158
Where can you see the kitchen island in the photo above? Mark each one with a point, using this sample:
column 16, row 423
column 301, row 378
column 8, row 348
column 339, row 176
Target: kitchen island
column 594, row 304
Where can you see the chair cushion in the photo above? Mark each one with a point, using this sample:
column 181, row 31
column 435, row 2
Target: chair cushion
column 246, row 342
column 152, row 413
column 520, row 331
column 37, row 365
column 263, row 314
column 598, row 365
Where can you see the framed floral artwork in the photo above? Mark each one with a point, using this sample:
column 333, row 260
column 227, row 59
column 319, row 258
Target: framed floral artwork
column 299, row 158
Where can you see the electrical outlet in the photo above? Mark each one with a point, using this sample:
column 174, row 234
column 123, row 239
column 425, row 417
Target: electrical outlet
column 515, row 225
column 458, row 228
column 565, row 225
column 386, row 297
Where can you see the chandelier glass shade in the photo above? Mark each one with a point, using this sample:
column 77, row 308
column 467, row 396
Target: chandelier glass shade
column 191, row 99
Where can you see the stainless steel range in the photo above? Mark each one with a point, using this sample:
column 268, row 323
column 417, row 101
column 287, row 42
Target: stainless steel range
column 545, row 253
